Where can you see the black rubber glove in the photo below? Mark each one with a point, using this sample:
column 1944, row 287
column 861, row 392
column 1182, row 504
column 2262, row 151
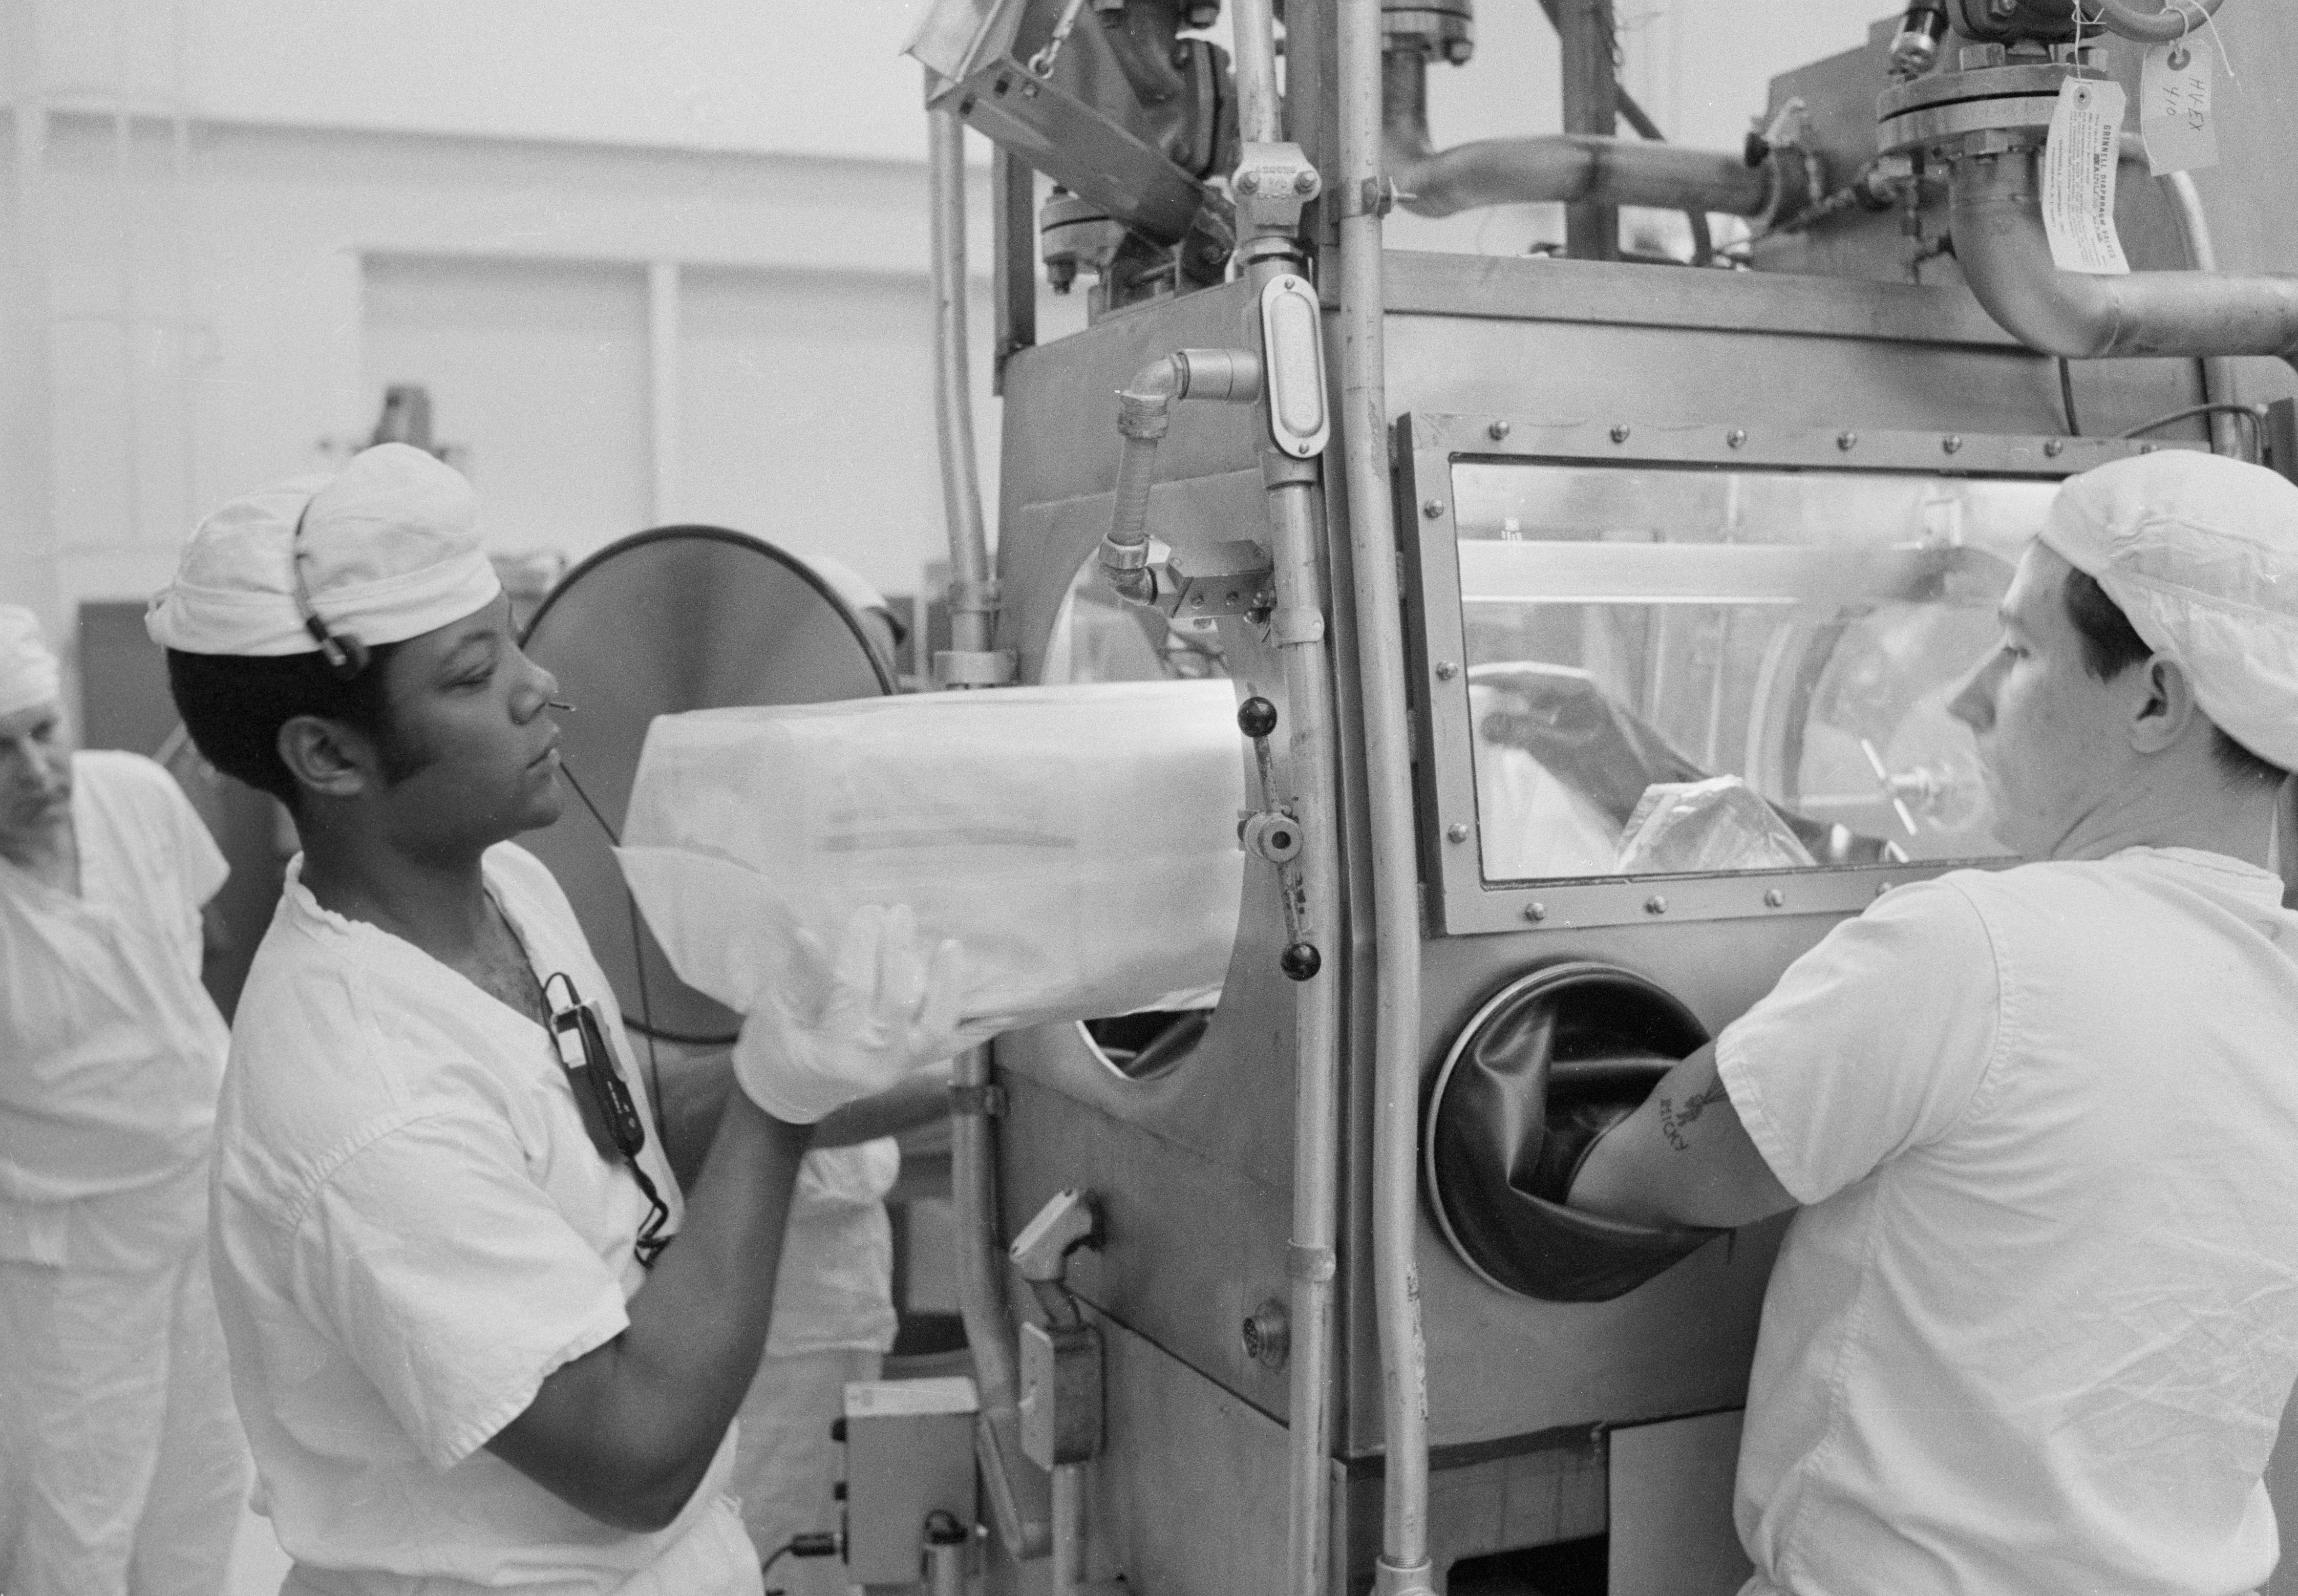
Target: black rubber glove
column 1573, row 1132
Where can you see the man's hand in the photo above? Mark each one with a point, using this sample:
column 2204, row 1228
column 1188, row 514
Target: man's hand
column 1683, row 1158
column 856, row 1025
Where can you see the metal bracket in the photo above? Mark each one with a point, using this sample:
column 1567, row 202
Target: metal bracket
column 1271, row 183
column 1234, row 578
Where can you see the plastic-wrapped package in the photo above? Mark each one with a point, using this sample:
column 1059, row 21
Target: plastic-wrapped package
column 1722, row 823
column 1078, row 843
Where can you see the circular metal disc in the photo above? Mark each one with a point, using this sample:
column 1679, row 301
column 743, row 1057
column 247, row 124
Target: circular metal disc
column 681, row 617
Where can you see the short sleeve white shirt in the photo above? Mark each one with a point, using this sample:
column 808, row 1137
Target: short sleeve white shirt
column 834, row 1291
column 111, row 1051
column 412, row 1230
column 2035, row 1328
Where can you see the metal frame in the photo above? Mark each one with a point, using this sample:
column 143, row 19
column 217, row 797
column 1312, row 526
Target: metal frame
column 1427, row 446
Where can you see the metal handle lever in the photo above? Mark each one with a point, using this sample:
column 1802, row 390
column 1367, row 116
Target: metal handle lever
column 1273, row 834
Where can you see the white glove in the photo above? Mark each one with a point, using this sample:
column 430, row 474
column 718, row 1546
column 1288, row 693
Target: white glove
column 855, row 1026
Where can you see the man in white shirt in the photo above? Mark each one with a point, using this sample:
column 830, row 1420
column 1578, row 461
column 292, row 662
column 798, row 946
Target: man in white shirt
column 2035, row 1322
column 480, row 1337
column 121, row 1464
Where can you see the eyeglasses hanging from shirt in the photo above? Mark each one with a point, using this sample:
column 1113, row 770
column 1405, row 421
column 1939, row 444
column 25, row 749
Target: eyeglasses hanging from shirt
column 609, row 1114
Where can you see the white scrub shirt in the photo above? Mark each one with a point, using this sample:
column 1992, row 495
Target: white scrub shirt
column 2036, row 1328
column 111, row 1051
column 834, row 1290
column 413, row 1230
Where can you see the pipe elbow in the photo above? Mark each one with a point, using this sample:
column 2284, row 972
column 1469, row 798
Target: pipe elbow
column 1997, row 221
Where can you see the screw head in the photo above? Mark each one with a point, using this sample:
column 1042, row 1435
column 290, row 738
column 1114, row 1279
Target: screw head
column 1950, row 443
column 1431, row 508
column 1458, row 50
column 1535, row 911
column 2053, row 447
column 1774, row 898
column 2148, row 448
column 1458, row 832
column 1655, row 905
column 1737, row 437
column 1248, row 182
column 1304, row 182
column 1619, row 431
column 1446, row 670
column 1497, row 431
column 1847, row 439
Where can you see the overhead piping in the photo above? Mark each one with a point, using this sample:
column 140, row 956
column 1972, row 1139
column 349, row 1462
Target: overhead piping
column 1403, row 1567
column 1560, row 168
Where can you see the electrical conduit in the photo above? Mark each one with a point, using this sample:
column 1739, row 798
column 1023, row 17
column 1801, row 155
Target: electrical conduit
column 1403, row 1567
column 1296, row 530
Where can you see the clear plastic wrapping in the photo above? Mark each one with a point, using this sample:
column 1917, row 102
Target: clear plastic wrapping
column 1078, row 843
column 1722, row 823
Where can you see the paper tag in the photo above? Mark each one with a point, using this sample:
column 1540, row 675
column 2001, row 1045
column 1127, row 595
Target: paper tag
column 2174, row 107
column 2078, row 179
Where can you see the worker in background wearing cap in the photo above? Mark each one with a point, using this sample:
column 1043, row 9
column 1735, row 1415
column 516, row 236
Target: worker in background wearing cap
column 480, row 1336
column 2035, row 1323
column 122, row 1463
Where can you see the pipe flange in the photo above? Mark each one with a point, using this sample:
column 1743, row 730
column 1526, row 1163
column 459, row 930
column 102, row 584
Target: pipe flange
column 1443, row 30
column 1946, row 107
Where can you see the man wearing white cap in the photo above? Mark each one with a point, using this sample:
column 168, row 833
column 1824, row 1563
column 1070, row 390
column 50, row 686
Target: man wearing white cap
column 121, row 1464
column 2035, row 1323
column 480, row 1337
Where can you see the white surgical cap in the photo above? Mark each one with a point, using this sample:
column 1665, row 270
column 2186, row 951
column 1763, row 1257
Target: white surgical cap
column 28, row 676
column 2201, row 553
column 390, row 550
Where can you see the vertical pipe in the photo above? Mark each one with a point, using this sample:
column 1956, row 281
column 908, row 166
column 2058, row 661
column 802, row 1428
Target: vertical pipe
column 1591, row 104
column 1014, row 258
column 662, row 341
column 2203, row 255
column 1069, row 1528
column 1259, row 116
column 1403, row 1565
column 972, row 604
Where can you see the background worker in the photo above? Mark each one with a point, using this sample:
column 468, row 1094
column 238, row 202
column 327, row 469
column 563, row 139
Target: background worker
column 480, row 1335
column 122, row 1463
column 2035, row 1322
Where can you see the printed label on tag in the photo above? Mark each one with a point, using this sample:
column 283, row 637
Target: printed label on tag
column 2174, row 107
column 2078, row 179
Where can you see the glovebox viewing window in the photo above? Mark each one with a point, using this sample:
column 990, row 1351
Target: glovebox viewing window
column 1678, row 670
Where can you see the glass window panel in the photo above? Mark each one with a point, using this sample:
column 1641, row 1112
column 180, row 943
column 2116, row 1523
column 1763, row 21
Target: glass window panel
column 1633, row 632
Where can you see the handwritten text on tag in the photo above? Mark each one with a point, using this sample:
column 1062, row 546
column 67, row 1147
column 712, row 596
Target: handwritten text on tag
column 2174, row 107
column 2079, row 177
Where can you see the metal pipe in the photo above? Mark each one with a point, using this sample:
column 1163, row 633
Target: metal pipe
column 972, row 596
column 1403, row 1566
column 1565, row 168
column 1069, row 1528
column 1587, row 32
column 2173, row 22
column 2202, row 255
column 1995, row 203
column 1145, row 411
column 1260, row 114
column 1015, row 1508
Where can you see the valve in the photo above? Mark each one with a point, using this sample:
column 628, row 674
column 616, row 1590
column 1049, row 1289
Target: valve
column 1274, row 833
column 1060, row 1385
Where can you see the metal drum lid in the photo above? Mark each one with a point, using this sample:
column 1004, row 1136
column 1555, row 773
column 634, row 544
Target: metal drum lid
column 676, row 618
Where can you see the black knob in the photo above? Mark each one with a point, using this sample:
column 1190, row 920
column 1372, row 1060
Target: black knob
column 1300, row 961
column 837, row 1430
column 1256, row 717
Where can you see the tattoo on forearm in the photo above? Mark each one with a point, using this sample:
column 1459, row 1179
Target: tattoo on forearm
column 1675, row 1123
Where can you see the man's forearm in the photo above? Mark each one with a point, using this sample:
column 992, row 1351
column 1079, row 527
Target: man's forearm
column 626, row 1432
column 1683, row 1158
